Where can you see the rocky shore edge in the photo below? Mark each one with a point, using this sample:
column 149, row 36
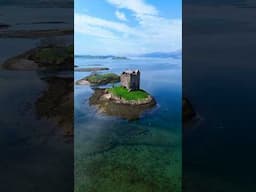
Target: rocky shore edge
column 111, row 105
column 108, row 96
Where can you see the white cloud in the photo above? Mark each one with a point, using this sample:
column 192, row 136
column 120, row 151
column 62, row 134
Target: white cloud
column 101, row 27
column 151, row 33
column 121, row 16
column 137, row 6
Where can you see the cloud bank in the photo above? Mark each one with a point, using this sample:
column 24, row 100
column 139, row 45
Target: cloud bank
column 150, row 33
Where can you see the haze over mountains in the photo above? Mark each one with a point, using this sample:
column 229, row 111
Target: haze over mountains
column 175, row 54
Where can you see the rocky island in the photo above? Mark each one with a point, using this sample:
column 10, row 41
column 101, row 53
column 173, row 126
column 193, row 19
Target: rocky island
column 43, row 57
column 127, row 101
column 99, row 79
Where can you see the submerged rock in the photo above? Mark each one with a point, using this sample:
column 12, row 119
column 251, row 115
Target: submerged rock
column 56, row 103
column 188, row 112
column 111, row 105
column 82, row 82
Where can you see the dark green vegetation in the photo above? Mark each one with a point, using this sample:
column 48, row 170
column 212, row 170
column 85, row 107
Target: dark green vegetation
column 124, row 93
column 47, row 57
column 102, row 79
column 54, row 56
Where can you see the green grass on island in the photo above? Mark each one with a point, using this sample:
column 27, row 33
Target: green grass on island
column 103, row 78
column 128, row 95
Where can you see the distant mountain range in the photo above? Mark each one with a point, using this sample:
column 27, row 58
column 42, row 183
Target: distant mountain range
column 176, row 54
column 101, row 57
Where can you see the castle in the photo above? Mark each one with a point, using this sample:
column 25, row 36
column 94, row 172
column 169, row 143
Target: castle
column 130, row 79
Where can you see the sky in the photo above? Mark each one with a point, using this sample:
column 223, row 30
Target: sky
column 127, row 27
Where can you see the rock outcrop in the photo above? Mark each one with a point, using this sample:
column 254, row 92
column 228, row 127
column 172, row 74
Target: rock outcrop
column 188, row 112
column 109, row 104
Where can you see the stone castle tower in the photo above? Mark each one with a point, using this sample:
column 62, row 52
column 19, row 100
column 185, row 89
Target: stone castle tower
column 130, row 79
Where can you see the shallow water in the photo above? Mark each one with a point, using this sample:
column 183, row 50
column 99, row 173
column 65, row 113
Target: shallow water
column 31, row 147
column 141, row 155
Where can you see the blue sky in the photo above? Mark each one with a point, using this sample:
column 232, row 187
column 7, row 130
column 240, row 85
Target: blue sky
column 127, row 27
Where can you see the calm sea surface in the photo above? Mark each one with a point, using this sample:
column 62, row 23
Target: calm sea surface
column 31, row 148
column 113, row 154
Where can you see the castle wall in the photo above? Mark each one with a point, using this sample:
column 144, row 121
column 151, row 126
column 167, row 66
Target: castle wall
column 130, row 80
column 135, row 82
column 125, row 80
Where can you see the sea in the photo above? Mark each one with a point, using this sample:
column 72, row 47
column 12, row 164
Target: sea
column 30, row 147
column 114, row 154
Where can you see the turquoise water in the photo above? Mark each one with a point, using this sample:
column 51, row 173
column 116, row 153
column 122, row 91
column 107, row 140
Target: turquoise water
column 113, row 154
